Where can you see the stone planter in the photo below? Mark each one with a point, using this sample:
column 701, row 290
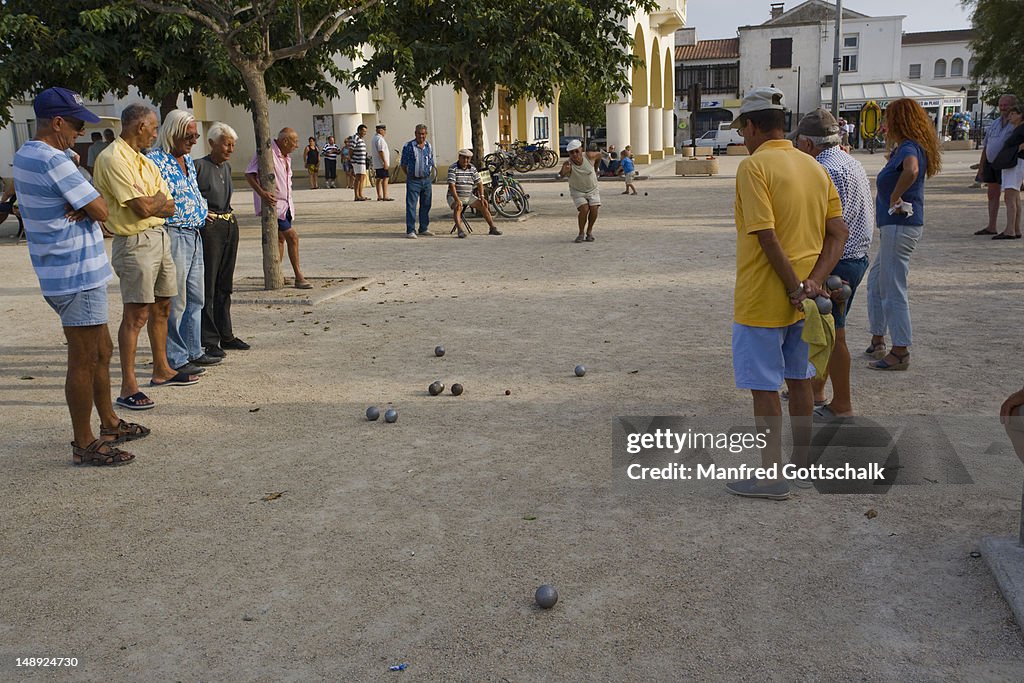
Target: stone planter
column 956, row 145
column 699, row 166
column 737, row 151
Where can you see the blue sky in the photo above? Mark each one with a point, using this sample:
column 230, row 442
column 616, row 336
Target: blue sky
column 719, row 18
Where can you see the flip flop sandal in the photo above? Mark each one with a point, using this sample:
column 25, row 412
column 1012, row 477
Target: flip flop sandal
column 1003, row 236
column 179, row 380
column 903, row 364
column 91, row 455
column 125, row 431
column 303, row 285
column 135, row 401
column 578, row 239
column 985, row 231
column 825, row 414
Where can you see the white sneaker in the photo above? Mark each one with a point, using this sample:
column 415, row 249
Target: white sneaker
column 411, row 235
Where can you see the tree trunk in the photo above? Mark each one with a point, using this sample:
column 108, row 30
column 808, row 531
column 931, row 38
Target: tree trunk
column 168, row 104
column 476, row 125
column 257, row 88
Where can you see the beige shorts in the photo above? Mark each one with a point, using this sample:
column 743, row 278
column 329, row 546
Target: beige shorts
column 593, row 198
column 144, row 265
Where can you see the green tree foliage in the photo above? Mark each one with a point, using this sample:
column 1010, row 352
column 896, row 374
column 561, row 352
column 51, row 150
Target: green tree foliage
column 271, row 47
column 530, row 47
column 246, row 52
column 577, row 105
column 998, row 41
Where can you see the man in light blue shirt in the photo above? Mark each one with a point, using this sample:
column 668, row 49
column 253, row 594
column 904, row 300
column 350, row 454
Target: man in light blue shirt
column 61, row 211
column 418, row 162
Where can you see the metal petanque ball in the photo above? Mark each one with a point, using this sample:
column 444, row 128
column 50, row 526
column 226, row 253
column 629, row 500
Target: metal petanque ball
column 645, row 194
column 390, row 415
column 824, row 304
column 546, row 596
column 580, row 371
column 372, row 413
column 845, row 292
column 457, row 390
column 833, row 283
column 438, row 351
column 436, row 388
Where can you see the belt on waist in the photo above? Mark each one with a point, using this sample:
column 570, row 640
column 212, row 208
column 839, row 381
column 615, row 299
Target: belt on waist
column 185, row 227
column 221, row 216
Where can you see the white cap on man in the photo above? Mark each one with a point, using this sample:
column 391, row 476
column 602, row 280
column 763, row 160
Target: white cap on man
column 466, row 153
column 759, row 99
column 573, row 145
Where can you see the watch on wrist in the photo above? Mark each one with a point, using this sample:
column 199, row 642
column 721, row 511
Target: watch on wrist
column 796, row 292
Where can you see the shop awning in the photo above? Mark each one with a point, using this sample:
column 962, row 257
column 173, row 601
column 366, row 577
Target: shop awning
column 856, row 95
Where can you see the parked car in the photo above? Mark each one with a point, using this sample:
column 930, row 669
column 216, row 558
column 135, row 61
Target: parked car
column 563, row 141
column 599, row 137
column 718, row 139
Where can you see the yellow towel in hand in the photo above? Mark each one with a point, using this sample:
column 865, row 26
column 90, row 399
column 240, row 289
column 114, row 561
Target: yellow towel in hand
column 820, row 335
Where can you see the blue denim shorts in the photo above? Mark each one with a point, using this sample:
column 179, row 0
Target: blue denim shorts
column 285, row 224
column 81, row 309
column 851, row 271
column 764, row 357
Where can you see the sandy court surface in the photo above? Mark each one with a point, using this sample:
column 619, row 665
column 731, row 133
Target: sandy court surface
column 422, row 541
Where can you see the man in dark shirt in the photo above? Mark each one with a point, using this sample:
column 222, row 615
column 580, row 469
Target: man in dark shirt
column 220, row 242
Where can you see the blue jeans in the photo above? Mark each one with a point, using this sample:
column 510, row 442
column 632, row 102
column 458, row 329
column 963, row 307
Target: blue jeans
column 852, row 271
column 184, row 327
column 417, row 190
column 888, row 305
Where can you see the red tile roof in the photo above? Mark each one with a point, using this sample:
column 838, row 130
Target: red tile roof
column 925, row 37
column 726, row 48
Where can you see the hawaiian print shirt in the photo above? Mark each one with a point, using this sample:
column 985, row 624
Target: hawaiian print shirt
column 189, row 205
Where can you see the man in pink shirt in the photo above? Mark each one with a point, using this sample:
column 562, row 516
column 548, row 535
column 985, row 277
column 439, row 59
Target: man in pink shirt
column 280, row 198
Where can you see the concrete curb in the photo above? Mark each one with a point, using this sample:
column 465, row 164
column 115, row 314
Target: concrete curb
column 250, row 290
column 1005, row 558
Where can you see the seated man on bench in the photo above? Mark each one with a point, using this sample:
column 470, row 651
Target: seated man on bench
column 463, row 180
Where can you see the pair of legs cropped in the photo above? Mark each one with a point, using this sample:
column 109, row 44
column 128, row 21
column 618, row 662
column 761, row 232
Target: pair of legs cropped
column 888, row 302
column 288, row 236
column 477, row 204
column 586, row 216
column 154, row 317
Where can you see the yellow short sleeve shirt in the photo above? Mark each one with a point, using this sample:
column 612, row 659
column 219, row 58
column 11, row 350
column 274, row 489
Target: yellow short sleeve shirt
column 119, row 174
column 782, row 189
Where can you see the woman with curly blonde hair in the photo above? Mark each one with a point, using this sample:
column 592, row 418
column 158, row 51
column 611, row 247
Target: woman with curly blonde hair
column 913, row 148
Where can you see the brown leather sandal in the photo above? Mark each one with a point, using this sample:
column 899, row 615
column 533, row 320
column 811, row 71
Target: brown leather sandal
column 125, row 431
column 93, row 455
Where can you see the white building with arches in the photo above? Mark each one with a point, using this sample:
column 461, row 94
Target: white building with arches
column 645, row 118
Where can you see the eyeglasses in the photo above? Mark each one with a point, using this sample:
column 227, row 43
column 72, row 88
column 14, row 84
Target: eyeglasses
column 192, row 137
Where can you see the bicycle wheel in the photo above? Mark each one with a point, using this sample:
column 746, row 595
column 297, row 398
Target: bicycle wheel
column 549, row 158
column 509, row 202
column 523, row 163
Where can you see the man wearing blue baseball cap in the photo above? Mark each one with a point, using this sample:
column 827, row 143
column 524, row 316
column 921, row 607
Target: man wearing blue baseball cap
column 62, row 210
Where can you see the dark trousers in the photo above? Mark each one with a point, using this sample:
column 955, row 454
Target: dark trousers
column 330, row 168
column 220, row 249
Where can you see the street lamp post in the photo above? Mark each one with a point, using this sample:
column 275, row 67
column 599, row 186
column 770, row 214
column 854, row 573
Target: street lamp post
column 981, row 123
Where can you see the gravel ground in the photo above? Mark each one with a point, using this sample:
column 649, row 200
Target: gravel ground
column 423, row 541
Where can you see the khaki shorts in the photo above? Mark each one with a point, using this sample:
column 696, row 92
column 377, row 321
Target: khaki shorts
column 580, row 198
column 144, row 265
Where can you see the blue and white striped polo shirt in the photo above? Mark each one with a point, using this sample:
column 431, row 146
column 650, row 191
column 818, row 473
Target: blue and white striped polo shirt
column 67, row 257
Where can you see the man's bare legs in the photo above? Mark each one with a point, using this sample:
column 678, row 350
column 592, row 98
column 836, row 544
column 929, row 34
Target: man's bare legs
column 290, row 238
column 994, row 191
column 154, row 317
column 839, row 374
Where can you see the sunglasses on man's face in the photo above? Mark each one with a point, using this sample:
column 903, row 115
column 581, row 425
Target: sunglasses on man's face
column 76, row 125
column 192, row 137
